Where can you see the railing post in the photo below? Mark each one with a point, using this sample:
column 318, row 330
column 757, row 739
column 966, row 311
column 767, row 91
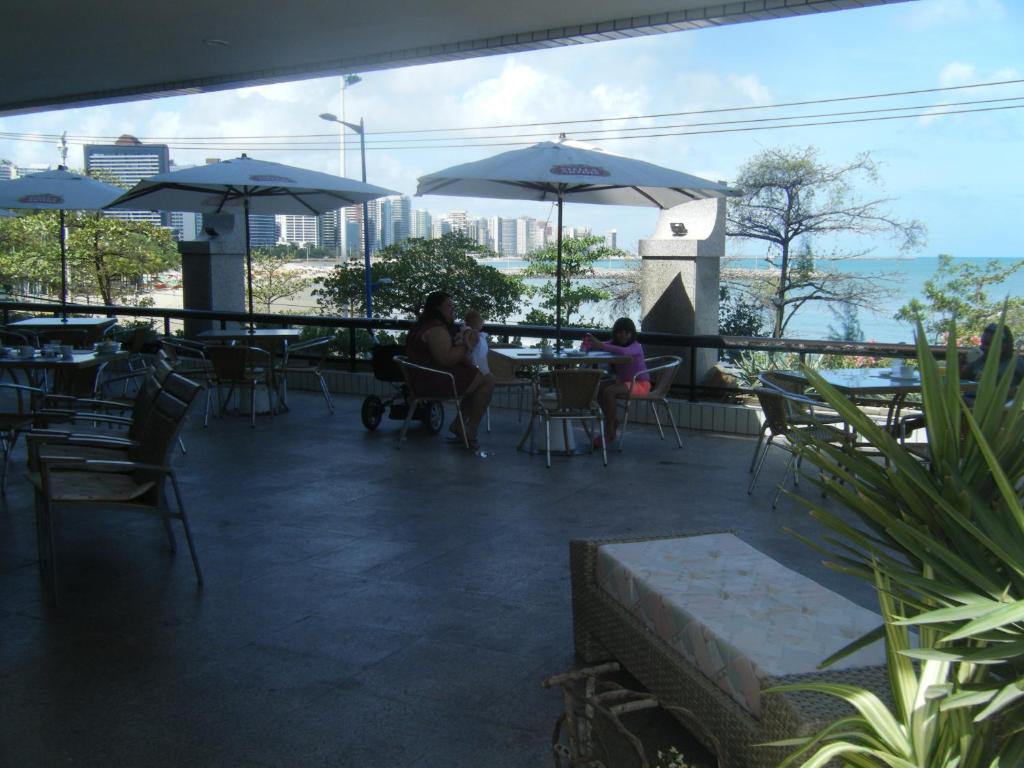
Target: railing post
column 352, row 349
column 167, row 325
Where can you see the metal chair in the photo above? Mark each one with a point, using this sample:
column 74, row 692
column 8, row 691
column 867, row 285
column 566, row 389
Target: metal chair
column 138, row 483
column 15, row 419
column 240, row 367
column 786, row 419
column 295, row 361
column 662, row 371
column 574, row 399
column 504, row 373
column 426, row 383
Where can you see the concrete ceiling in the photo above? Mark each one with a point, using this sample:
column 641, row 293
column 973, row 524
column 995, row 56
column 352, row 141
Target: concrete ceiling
column 72, row 53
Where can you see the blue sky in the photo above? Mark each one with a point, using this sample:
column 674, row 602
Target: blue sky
column 959, row 174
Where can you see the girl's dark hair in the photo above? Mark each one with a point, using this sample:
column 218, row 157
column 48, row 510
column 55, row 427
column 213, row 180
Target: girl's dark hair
column 432, row 307
column 624, row 324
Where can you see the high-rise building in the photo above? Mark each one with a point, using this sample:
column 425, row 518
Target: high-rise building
column 422, row 224
column 458, row 220
column 483, row 233
column 401, row 218
column 611, row 239
column 7, row 170
column 539, row 235
column 440, row 227
column 508, row 237
column 494, row 233
column 126, row 162
column 525, row 227
column 330, row 230
column 263, row 230
column 299, row 230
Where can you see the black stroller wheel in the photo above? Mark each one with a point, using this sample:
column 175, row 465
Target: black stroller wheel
column 433, row 417
column 373, row 412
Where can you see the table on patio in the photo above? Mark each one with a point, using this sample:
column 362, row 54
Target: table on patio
column 68, row 372
column 272, row 340
column 861, row 383
column 92, row 328
column 534, row 360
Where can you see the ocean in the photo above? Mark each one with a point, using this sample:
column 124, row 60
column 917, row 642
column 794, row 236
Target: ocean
column 906, row 276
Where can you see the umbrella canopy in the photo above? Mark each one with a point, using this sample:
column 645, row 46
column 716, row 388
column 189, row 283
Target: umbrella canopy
column 245, row 184
column 248, row 186
column 562, row 170
column 58, row 190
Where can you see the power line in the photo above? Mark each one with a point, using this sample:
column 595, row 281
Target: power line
column 837, row 99
column 488, row 141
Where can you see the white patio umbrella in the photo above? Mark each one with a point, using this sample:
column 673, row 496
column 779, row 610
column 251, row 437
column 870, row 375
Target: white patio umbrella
column 58, row 190
column 562, row 170
column 247, row 186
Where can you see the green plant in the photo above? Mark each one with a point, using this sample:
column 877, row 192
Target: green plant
column 944, row 545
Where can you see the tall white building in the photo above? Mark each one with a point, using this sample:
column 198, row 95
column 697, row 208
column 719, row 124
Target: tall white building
column 421, row 225
column 298, row 230
column 401, row 218
column 458, row 220
column 611, row 238
column 440, row 227
column 525, row 228
column 508, row 245
column 8, row 171
column 482, row 233
column 494, row 233
column 127, row 162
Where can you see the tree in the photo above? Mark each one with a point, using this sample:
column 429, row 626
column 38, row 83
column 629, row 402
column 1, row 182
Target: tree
column 790, row 199
column 739, row 315
column 416, row 268
column 272, row 280
column 106, row 257
column 109, row 257
column 959, row 291
column 849, row 324
column 579, row 254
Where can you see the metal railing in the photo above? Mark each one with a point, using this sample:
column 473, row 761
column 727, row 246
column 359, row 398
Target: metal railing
column 663, row 341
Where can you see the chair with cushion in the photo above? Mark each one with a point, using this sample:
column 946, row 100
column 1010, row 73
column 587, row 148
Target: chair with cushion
column 306, row 358
column 662, row 371
column 428, row 384
column 574, row 398
column 240, row 367
column 141, row 481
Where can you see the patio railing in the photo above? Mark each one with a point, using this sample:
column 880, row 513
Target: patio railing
column 665, row 342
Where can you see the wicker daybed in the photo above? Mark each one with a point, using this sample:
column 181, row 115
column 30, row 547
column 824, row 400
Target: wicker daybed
column 730, row 726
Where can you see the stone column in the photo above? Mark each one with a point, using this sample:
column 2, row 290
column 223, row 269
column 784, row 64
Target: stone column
column 680, row 277
column 213, row 270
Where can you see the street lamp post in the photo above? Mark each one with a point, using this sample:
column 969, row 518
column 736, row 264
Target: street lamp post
column 361, row 130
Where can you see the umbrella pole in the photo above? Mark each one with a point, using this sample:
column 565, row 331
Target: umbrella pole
column 63, row 272
column 558, row 278
column 248, row 265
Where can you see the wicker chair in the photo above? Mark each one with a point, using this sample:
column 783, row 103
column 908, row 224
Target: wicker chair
column 504, row 372
column 417, row 377
column 296, row 360
column 239, row 367
column 574, row 398
column 662, row 371
column 779, row 408
column 138, row 482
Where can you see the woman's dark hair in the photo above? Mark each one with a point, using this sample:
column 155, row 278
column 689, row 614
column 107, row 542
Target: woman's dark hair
column 1006, row 342
column 624, row 324
column 432, row 307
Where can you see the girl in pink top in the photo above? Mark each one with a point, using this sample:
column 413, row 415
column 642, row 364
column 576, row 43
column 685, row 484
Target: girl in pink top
column 631, row 377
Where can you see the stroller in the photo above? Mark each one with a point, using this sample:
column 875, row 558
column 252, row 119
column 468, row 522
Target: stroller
column 431, row 413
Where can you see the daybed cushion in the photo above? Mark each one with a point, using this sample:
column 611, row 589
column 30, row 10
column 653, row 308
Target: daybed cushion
column 734, row 613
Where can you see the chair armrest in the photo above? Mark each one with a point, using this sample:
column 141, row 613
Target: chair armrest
column 410, row 366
